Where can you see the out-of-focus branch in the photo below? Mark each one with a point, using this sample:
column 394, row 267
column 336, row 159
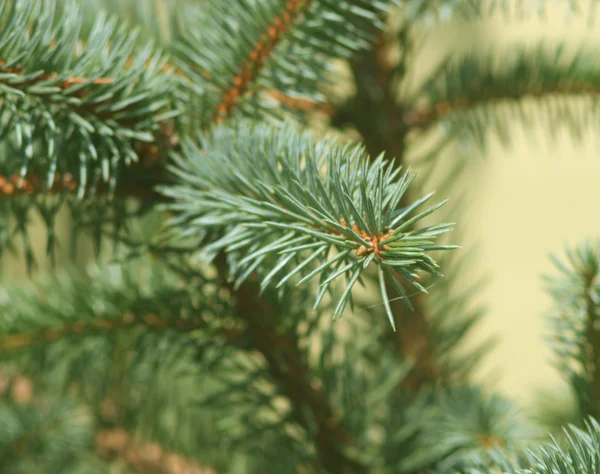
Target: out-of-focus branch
column 424, row 118
column 285, row 363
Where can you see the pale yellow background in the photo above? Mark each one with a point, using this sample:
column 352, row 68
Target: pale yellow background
column 524, row 202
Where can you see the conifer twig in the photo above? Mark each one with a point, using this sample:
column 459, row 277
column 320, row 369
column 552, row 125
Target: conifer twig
column 131, row 183
column 425, row 117
column 383, row 130
column 478, row 81
column 253, row 64
column 152, row 321
column 592, row 348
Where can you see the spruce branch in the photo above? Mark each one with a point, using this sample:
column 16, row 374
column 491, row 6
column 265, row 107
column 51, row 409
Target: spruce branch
column 74, row 115
column 576, row 337
column 259, row 191
column 383, row 130
column 53, row 435
column 119, row 300
column 274, row 47
column 60, row 98
column 252, row 66
column 74, row 327
column 128, row 340
column 471, row 426
column 476, row 91
column 578, row 454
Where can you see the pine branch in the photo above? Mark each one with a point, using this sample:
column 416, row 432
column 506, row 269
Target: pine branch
column 467, row 95
column 576, row 338
column 470, row 426
column 252, row 66
column 383, row 131
column 91, row 103
column 49, row 435
column 260, row 192
column 85, row 318
column 285, row 46
column 75, row 115
column 579, row 454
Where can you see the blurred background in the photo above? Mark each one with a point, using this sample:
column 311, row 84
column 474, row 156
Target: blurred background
column 523, row 202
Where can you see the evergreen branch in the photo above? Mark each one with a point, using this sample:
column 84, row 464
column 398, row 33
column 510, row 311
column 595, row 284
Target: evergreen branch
column 430, row 329
column 47, row 436
column 576, row 338
column 465, row 92
column 273, row 45
column 376, row 114
column 98, row 326
column 40, row 315
column 90, row 104
column 252, row 66
column 431, row 13
column 130, row 185
column 579, row 454
column 259, row 192
column 471, row 426
column 158, row 21
column 74, row 115
column 128, row 340
column 83, row 323
column 147, row 458
column 15, row 185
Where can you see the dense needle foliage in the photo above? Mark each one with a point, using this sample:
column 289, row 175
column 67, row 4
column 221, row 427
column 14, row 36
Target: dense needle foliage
column 281, row 294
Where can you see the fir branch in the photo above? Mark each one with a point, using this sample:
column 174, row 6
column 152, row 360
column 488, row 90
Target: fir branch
column 576, row 337
column 280, row 45
column 48, row 435
column 579, row 454
column 470, row 426
column 60, row 100
column 31, row 316
column 464, row 94
column 383, row 131
column 257, row 57
column 259, row 192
